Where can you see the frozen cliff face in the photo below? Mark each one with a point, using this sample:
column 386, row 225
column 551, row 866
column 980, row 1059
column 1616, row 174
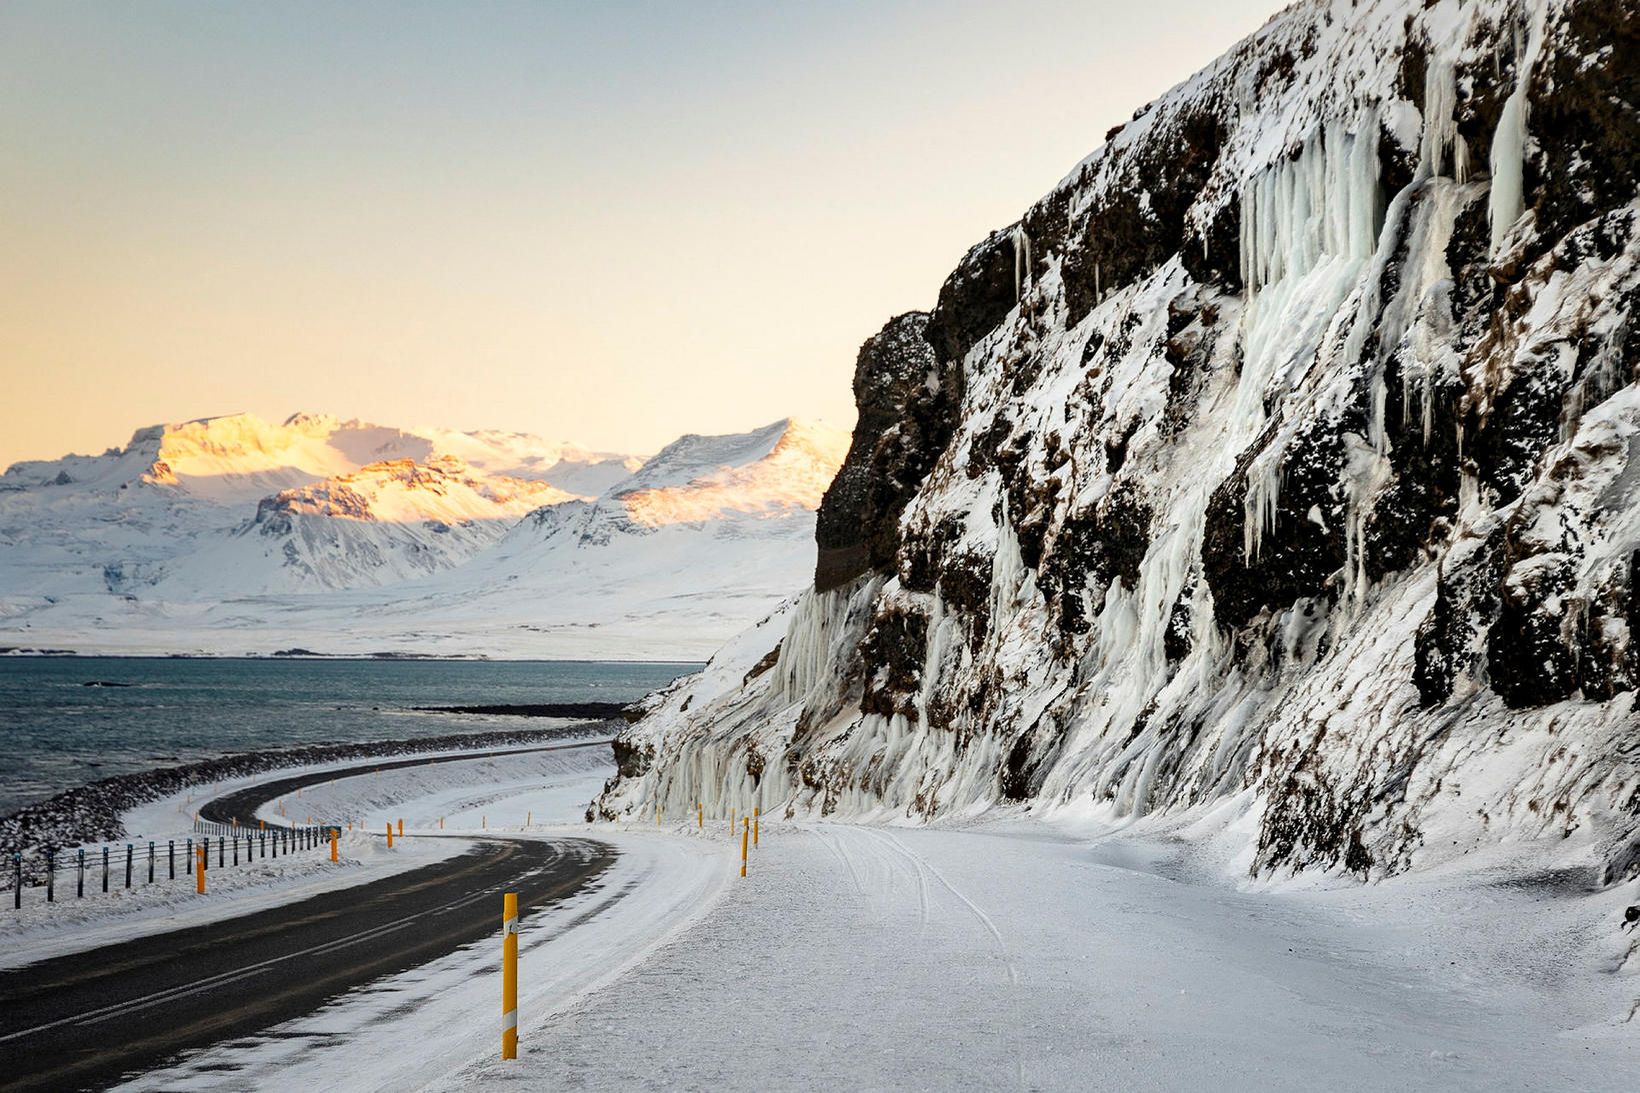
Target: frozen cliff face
column 1289, row 450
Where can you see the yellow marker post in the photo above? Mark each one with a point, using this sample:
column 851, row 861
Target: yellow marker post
column 401, row 829
column 745, row 834
column 261, row 825
column 731, row 823
column 757, row 815
column 335, row 834
column 509, row 976
column 657, row 814
column 199, row 872
column 700, row 815
column 389, row 836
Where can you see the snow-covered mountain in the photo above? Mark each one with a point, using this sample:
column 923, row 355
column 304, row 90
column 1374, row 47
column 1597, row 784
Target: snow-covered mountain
column 1279, row 471
column 234, row 535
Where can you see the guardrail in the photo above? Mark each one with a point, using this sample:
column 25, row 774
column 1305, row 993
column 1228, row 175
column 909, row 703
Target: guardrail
column 138, row 865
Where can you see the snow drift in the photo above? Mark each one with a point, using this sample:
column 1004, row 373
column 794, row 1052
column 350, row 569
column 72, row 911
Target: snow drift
column 1288, row 450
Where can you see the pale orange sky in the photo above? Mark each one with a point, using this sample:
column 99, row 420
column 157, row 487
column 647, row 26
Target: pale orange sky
column 612, row 223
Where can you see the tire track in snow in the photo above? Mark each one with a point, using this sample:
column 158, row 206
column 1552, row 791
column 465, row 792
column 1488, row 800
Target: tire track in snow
column 835, row 846
column 924, row 917
column 996, row 936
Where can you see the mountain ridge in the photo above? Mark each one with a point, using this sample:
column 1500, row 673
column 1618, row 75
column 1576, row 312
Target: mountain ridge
column 228, row 530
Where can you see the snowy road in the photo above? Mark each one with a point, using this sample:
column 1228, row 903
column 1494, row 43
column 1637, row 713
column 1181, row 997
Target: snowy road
column 1009, row 954
column 1021, row 956
column 86, row 1019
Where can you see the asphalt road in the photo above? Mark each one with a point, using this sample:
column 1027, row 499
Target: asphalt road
column 86, row 1020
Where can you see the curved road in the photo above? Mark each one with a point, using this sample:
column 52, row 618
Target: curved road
column 88, row 1019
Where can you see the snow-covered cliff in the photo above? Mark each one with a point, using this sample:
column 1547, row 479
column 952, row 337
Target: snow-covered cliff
column 1286, row 454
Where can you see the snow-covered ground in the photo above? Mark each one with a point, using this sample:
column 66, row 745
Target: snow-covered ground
column 1006, row 953
column 1018, row 955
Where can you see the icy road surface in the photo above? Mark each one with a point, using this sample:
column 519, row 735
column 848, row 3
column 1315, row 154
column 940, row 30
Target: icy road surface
column 1009, row 955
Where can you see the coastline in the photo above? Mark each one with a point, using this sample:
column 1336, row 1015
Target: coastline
column 93, row 812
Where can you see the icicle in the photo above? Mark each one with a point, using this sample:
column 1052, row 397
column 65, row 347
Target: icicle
column 1508, row 160
column 1264, row 480
column 1022, row 260
column 1298, row 214
column 805, row 653
column 1440, row 135
column 1007, row 573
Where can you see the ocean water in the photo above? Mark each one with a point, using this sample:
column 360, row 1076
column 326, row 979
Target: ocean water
column 57, row 733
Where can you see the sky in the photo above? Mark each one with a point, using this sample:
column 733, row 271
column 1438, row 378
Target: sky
column 607, row 222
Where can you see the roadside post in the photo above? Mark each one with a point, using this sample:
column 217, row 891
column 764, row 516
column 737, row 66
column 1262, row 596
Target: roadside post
column 757, row 817
column 199, row 872
column 171, row 856
column 509, row 975
column 51, row 876
column 79, row 882
column 389, row 836
column 17, row 893
column 150, row 861
column 401, row 828
column 745, row 837
column 129, row 850
column 700, row 815
column 335, row 833
column 105, row 870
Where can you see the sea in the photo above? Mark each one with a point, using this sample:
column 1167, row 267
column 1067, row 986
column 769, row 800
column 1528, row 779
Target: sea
column 66, row 721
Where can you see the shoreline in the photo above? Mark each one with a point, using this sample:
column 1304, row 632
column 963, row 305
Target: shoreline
column 92, row 812
column 21, row 653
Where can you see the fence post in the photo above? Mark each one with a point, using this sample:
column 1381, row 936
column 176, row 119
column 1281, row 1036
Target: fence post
column 105, row 870
column 79, row 883
column 509, row 975
column 221, row 851
column 51, row 875
column 171, row 856
column 130, row 851
column 150, row 861
column 262, row 839
column 17, row 862
column 236, row 848
column 188, row 856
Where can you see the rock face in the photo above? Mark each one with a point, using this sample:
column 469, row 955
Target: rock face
column 1287, row 452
